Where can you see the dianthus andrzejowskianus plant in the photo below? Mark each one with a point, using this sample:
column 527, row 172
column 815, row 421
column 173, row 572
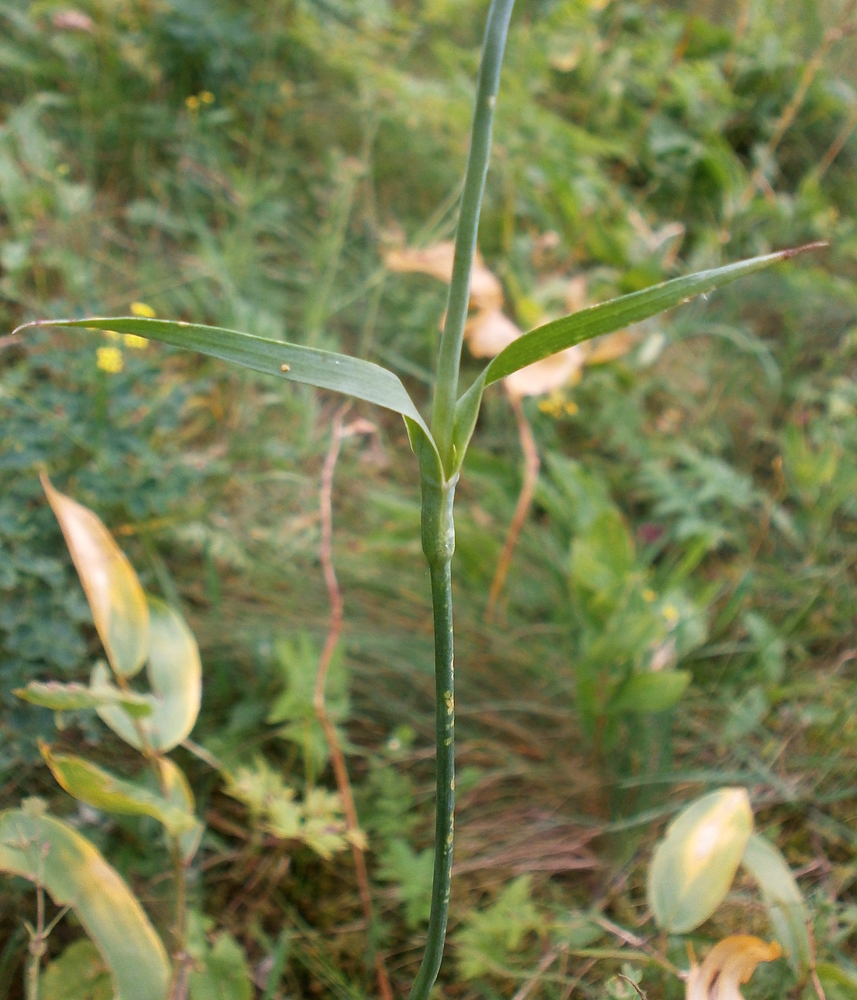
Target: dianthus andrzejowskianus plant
column 440, row 445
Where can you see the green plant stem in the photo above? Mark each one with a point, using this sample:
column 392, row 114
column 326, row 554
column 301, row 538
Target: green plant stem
column 438, row 536
column 449, row 355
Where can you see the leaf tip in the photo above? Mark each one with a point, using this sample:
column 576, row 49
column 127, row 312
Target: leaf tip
column 796, row 251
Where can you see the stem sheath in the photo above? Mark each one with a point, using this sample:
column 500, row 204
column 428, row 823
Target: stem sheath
column 438, row 544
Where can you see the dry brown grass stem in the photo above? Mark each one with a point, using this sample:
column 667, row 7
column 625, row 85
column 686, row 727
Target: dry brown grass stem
column 846, row 27
column 337, row 757
column 532, row 464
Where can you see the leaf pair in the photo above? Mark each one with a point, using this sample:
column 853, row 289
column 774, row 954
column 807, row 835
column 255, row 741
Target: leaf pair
column 374, row 384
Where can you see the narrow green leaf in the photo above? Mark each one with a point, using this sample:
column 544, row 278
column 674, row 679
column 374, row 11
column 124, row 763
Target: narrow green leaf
column 605, row 318
column 651, row 692
column 293, row 362
column 50, row 853
column 102, row 790
column 693, row 866
column 782, row 898
column 114, row 593
column 175, row 676
column 76, row 697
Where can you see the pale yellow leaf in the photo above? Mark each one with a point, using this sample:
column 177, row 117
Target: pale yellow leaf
column 548, row 374
column 610, row 346
column 436, row 261
column 489, row 332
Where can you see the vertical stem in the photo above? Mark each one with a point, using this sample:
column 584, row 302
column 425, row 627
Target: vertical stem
column 438, row 529
column 449, row 356
column 438, row 544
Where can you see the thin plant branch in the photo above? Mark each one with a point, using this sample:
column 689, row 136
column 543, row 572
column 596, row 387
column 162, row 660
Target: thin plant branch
column 337, row 757
column 532, row 465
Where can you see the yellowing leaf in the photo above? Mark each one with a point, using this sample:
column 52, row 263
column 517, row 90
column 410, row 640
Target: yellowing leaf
column 175, row 676
column 730, row 963
column 103, row 790
column 114, row 593
column 693, row 866
column 52, row 854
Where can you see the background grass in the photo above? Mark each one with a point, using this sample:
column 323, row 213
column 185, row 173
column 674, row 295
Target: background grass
column 249, row 164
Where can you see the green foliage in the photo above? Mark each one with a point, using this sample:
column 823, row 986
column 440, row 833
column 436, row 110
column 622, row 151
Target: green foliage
column 317, row 821
column 224, row 974
column 78, row 974
column 411, row 873
column 720, row 448
column 493, row 937
column 297, row 661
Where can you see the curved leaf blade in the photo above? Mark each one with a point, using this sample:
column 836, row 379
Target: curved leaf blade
column 782, row 898
column 50, row 853
column 114, row 593
column 621, row 312
column 608, row 317
column 175, row 676
column 105, row 791
column 293, row 362
column 695, row 863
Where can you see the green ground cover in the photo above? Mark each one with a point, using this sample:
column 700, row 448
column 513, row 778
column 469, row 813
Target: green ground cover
column 252, row 165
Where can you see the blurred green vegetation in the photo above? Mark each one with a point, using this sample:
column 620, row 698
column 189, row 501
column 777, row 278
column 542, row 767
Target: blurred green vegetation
column 248, row 164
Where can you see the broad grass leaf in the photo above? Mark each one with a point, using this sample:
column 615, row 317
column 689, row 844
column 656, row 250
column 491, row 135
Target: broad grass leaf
column 617, row 314
column 114, row 593
column 47, row 851
column 782, row 898
column 175, row 676
column 695, row 863
column 293, row 362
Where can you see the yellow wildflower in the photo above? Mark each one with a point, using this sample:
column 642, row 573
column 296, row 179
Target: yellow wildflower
column 109, row 359
column 112, row 335
column 671, row 613
column 192, row 103
column 206, row 97
column 142, row 310
column 134, row 342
